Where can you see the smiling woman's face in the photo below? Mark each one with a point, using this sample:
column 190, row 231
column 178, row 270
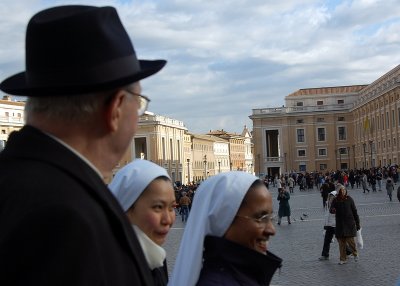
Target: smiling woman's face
column 246, row 231
column 154, row 211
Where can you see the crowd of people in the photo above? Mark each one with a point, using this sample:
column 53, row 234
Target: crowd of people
column 377, row 179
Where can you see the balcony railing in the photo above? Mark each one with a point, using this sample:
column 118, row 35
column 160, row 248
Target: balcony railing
column 298, row 109
column 11, row 120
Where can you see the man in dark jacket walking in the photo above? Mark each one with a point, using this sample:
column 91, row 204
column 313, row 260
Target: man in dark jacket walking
column 325, row 190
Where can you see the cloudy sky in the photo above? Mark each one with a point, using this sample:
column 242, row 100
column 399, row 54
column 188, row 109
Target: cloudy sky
column 227, row 57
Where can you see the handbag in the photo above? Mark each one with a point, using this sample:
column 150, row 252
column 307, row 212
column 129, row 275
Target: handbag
column 359, row 238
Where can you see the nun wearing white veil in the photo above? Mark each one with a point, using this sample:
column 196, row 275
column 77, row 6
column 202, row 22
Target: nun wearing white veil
column 225, row 241
column 146, row 194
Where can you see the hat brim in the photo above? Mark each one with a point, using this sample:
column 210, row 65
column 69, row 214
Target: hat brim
column 18, row 84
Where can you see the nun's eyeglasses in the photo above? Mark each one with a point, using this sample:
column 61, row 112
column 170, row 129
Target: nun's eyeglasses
column 262, row 220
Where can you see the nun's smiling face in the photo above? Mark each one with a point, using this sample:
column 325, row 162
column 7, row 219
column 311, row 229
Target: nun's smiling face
column 252, row 225
column 154, row 212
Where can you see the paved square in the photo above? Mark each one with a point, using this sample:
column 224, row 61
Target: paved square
column 300, row 244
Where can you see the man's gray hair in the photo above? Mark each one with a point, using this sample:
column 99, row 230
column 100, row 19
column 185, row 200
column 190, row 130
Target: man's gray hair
column 69, row 107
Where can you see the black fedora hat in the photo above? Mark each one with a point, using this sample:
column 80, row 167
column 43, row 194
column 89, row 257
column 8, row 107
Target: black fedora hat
column 76, row 49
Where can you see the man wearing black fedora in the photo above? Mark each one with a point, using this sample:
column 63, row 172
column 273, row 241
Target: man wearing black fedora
column 59, row 223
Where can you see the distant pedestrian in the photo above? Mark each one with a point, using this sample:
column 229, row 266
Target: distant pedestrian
column 291, row 184
column 389, row 188
column 364, row 183
column 347, row 223
column 184, row 203
column 379, row 179
column 372, row 181
column 324, row 192
column 329, row 227
column 284, row 207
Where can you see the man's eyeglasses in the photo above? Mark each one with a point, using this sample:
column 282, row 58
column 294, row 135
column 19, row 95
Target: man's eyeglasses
column 143, row 102
column 262, row 220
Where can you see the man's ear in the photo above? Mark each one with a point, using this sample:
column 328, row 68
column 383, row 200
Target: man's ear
column 113, row 111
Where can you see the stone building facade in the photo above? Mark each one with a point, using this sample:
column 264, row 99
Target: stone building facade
column 11, row 118
column 330, row 128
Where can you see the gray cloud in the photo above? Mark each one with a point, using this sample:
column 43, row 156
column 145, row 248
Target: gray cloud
column 226, row 58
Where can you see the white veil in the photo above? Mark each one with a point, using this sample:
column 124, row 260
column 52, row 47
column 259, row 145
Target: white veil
column 215, row 205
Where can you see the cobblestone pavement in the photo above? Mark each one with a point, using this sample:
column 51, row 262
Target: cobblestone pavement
column 300, row 244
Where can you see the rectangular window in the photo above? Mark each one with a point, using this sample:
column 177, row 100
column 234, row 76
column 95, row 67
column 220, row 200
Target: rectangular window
column 340, row 118
column 342, row 151
column 300, row 135
column 299, row 121
column 320, row 119
column 301, row 153
column 342, row 133
column 387, row 119
column 299, row 103
column 398, row 116
column 163, row 148
column 321, row 134
column 171, row 149
column 340, row 101
column 322, row 152
column 179, row 150
column 393, row 119
column 320, row 102
column 323, row 167
column 377, row 123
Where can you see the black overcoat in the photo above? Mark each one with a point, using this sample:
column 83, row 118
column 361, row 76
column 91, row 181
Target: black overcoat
column 59, row 223
column 347, row 219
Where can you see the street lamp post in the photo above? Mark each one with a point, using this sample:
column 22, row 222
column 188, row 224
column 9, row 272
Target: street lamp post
column 219, row 167
column 205, row 166
column 188, row 162
column 340, row 158
column 230, row 166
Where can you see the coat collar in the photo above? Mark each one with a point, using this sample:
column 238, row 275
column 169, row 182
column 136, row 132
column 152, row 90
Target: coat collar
column 251, row 263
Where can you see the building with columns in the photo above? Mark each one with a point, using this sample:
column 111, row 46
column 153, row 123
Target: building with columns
column 158, row 139
column 330, row 128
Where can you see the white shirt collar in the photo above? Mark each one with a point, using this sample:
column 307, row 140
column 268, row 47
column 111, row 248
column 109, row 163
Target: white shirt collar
column 76, row 153
column 154, row 254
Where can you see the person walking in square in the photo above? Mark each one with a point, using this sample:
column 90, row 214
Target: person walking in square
column 284, row 206
column 329, row 226
column 347, row 223
column 364, row 182
column 389, row 187
column 184, row 203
